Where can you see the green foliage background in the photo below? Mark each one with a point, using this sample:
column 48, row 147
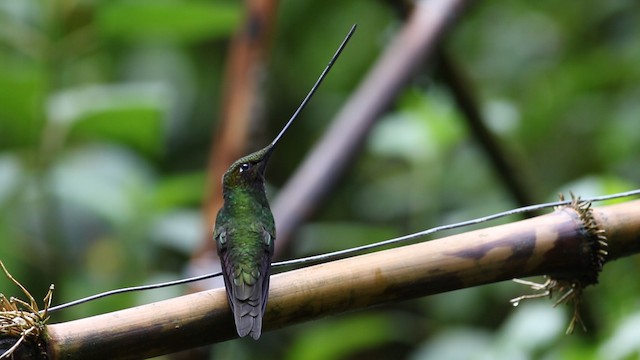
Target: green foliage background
column 107, row 110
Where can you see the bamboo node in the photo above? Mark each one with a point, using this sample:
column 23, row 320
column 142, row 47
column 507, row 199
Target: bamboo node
column 570, row 290
column 594, row 235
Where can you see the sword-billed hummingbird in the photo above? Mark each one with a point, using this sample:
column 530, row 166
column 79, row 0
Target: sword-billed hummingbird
column 245, row 230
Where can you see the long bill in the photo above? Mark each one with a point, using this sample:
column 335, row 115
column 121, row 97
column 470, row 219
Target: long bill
column 313, row 89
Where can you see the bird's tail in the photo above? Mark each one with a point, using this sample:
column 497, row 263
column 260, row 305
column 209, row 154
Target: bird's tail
column 248, row 303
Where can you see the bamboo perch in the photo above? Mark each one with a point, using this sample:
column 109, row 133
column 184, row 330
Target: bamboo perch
column 548, row 244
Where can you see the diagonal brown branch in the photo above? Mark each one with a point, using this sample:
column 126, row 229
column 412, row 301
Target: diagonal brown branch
column 548, row 244
column 505, row 166
column 329, row 159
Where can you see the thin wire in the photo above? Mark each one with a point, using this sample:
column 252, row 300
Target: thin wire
column 133, row 288
column 341, row 253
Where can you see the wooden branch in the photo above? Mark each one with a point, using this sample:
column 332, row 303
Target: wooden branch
column 548, row 244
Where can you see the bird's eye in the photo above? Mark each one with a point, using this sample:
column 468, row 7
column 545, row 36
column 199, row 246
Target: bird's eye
column 245, row 167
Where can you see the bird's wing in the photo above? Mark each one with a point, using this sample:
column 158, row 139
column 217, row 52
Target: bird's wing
column 246, row 275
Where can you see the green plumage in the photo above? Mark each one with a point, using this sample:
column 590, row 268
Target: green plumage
column 244, row 235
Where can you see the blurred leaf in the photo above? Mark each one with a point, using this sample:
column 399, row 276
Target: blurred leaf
column 462, row 306
column 22, row 86
column 139, row 128
column 129, row 114
column 394, row 196
column 594, row 185
column 181, row 21
column 316, row 238
column 180, row 190
column 436, row 110
column 534, row 326
column 342, row 337
column 180, row 230
column 425, row 127
column 10, row 176
column 620, row 138
column 20, row 9
column 502, row 116
column 456, row 344
column 104, row 260
column 585, row 350
column 403, row 136
column 109, row 181
column 616, row 294
column 623, row 344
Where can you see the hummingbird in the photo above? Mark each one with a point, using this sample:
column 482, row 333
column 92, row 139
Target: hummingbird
column 245, row 230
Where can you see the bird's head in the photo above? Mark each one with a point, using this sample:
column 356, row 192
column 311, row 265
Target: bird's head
column 248, row 171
